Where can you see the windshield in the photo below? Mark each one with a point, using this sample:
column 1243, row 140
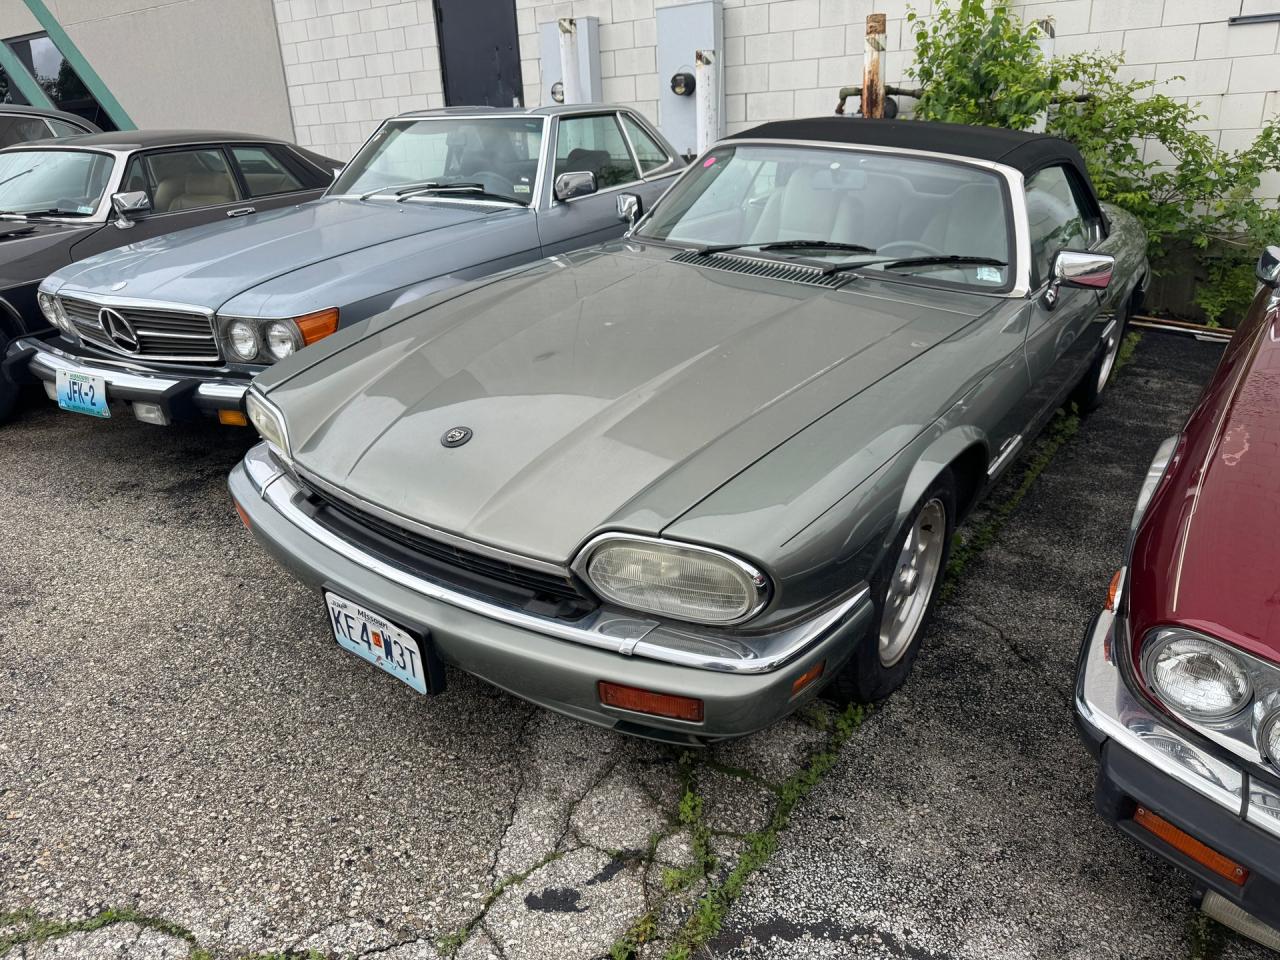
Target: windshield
column 62, row 183
column 482, row 158
column 900, row 215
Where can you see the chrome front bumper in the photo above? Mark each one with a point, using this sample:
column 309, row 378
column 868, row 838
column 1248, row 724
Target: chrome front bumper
column 744, row 686
column 1223, row 803
column 179, row 397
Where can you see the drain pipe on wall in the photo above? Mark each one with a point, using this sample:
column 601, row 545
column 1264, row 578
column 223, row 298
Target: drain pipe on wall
column 569, row 68
column 706, row 87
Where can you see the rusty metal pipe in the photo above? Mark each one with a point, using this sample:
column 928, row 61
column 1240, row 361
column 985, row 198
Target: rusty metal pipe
column 873, row 67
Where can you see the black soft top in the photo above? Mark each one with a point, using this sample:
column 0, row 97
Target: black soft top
column 1027, row 152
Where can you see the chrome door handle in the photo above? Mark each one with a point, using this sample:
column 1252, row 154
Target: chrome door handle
column 241, row 211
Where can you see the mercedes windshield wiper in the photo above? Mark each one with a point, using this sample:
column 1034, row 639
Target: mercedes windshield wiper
column 474, row 189
column 397, row 188
column 931, row 261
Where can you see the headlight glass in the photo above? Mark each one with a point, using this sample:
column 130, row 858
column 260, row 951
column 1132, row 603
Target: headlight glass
column 689, row 583
column 282, row 338
column 268, row 421
column 1197, row 677
column 243, row 339
column 52, row 310
column 1270, row 738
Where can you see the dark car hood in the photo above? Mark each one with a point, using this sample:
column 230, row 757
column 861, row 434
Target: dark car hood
column 585, row 381
column 33, row 249
column 208, row 265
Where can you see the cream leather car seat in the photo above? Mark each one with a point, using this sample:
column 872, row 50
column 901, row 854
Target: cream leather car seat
column 193, row 191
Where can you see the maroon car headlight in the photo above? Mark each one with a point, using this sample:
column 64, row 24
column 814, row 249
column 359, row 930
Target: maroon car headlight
column 1197, row 677
column 1269, row 738
column 677, row 580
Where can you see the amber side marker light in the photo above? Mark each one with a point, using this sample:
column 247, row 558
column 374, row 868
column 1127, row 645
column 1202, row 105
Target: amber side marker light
column 232, row 418
column 1113, row 591
column 806, row 678
column 318, row 325
column 244, row 517
column 647, row 701
column 1184, row 843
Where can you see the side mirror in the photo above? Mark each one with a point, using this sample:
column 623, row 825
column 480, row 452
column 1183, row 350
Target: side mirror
column 129, row 205
column 629, row 208
column 1268, row 269
column 576, row 183
column 1079, row 269
column 337, row 171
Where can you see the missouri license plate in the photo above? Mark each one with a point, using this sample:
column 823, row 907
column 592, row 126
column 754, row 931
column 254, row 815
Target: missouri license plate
column 81, row 393
column 370, row 636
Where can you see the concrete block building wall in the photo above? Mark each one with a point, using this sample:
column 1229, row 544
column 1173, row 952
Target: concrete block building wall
column 350, row 63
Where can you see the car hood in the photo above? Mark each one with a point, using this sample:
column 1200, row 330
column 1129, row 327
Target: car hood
column 584, row 381
column 208, row 265
column 28, row 250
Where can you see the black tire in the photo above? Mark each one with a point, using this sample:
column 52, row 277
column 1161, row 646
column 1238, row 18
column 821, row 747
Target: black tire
column 865, row 678
column 1088, row 394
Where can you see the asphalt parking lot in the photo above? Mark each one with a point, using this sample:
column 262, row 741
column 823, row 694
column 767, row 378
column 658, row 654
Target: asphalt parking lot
column 190, row 766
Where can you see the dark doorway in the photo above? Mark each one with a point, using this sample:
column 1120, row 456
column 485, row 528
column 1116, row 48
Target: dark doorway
column 479, row 52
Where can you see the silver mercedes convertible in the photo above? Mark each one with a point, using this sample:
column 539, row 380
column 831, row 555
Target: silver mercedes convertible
column 681, row 483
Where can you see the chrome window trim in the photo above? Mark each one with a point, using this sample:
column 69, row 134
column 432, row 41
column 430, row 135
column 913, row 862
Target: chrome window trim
column 538, row 177
column 102, row 212
column 761, row 580
column 279, row 491
column 657, row 140
column 551, row 158
column 1012, row 177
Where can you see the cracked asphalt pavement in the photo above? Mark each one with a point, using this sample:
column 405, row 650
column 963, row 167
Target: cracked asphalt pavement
column 191, row 767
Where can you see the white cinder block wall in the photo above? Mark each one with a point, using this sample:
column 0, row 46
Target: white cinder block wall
column 350, row 63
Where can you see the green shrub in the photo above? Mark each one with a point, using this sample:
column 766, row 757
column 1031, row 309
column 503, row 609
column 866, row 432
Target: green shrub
column 984, row 65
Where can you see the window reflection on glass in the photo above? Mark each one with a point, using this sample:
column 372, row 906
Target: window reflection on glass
column 9, row 92
column 58, row 78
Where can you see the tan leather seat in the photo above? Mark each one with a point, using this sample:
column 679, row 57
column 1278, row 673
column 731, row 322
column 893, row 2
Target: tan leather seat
column 194, row 191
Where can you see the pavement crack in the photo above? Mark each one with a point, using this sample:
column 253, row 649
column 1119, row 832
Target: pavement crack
column 1037, row 666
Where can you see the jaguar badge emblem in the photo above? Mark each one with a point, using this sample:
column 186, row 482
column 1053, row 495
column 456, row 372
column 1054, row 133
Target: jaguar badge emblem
column 456, row 437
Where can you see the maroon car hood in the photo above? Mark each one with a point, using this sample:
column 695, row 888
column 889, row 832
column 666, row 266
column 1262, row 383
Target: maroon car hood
column 1207, row 554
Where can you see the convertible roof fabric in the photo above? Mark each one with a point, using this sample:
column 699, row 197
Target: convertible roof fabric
column 1027, row 152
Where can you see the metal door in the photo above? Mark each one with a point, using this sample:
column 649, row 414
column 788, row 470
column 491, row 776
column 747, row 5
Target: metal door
column 479, row 53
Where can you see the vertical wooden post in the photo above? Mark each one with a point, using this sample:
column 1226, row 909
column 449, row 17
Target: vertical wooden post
column 873, row 67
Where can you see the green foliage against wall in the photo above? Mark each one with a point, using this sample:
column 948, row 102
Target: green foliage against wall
column 984, row 65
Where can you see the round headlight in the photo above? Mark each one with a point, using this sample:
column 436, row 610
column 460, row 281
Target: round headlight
column 689, row 583
column 49, row 307
column 282, row 338
column 243, row 339
column 1270, row 739
column 1197, row 677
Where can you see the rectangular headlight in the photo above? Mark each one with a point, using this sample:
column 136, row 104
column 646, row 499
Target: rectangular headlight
column 672, row 579
column 268, row 421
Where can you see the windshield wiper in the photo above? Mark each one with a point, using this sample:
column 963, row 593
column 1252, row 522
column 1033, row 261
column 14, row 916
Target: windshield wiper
column 397, row 188
column 20, row 173
column 817, row 245
column 931, row 261
column 475, row 189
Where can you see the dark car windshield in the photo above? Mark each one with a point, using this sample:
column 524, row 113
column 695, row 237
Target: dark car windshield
column 488, row 157
column 900, row 215
column 63, row 183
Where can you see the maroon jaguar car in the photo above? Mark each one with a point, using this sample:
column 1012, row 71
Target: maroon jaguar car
column 1178, row 689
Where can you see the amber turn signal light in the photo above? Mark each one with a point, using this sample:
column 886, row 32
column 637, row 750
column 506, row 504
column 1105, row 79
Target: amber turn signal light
column 244, row 517
column 318, row 325
column 806, row 678
column 1113, row 591
column 1186, row 844
column 648, row 701
column 232, row 418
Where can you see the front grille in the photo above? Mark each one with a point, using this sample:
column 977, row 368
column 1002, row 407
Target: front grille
column 535, row 591
column 174, row 335
column 760, row 267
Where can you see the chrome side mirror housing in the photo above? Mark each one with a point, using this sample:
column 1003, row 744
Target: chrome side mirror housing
column 128, row 205
column 1268, row 268
column 1079, row 269
column 629, row 208
column 575, row 183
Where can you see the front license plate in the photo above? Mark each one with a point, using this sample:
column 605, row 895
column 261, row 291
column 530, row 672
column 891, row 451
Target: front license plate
column 368, row 635
column 81, row 393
